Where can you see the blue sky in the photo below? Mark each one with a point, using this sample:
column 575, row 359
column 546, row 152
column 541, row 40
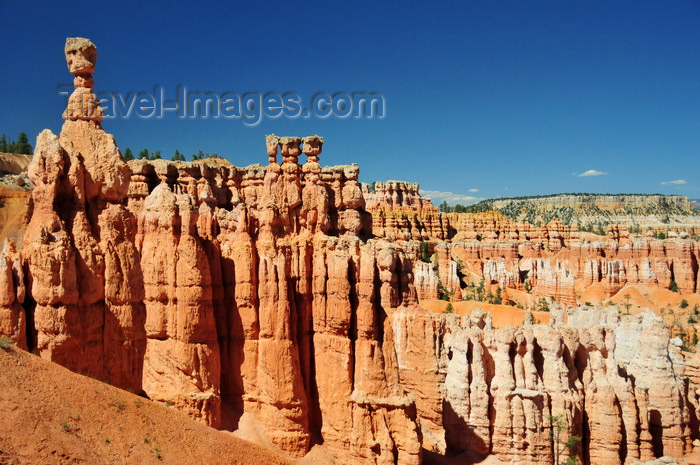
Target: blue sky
column 483, row 99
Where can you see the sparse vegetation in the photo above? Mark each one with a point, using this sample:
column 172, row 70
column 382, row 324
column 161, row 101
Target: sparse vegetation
column 146, row 154
column 480, row 290
column 530, row 319
column 200, row 155
column 542, row 305
column 5, row 343
column 572, row 444
column 425, row 251
column 627, row 303
column 534, row 209
column 448, row 308
column 118, row 404
column 673, row 286
column 498, row 298
column 21, row 146
column 443, row 292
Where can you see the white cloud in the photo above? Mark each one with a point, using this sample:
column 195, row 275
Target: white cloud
column 590, row 173
column 473, row 190
column 677, row 182
column 438, row 197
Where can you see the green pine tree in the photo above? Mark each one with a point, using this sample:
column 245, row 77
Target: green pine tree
column 3, row 143
column 128, row 155
column 143, row 154
column 178, row 156
column 425, row 251
column 22, row 145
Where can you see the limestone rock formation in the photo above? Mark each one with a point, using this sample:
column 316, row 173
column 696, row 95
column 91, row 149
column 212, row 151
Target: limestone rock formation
column 496, row 391
column 552, row 260
column 85, row 289
column 15, row 207
column 285, row 293
column 397, row 195
column 221, row 290
column 81, row 57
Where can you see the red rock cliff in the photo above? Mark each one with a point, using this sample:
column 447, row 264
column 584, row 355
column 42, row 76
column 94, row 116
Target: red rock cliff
column 267, row 290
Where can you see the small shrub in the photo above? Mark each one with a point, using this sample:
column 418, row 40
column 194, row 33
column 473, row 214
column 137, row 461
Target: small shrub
column 5, row 343
column 572, row 444
column 674, row 286
column 449, row 308
column 118, row 404
column 66, row 427
column 424, row 252
column 498, row 298
column 684, row 303
column 443, row 292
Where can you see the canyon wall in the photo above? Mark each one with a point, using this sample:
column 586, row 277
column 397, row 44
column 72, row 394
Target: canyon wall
column 396, row 195
column 499, row 391
column 273, row 291
column 218, row 289
column 552, row 260
column 612, row 202
column 550, row 267
column 14, row 163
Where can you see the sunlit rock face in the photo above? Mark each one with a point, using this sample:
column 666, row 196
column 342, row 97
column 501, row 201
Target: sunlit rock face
column 287, row 293
column 615, row 380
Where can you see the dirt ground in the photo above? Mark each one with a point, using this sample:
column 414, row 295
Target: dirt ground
column 53, row 416
column 681, row 311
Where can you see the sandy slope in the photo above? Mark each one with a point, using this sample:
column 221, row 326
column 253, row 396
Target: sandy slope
column 503, row 315
column 53, row 416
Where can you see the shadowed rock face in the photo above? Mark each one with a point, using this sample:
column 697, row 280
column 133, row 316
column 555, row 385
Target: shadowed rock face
column 262, row 297
column 262, row 290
